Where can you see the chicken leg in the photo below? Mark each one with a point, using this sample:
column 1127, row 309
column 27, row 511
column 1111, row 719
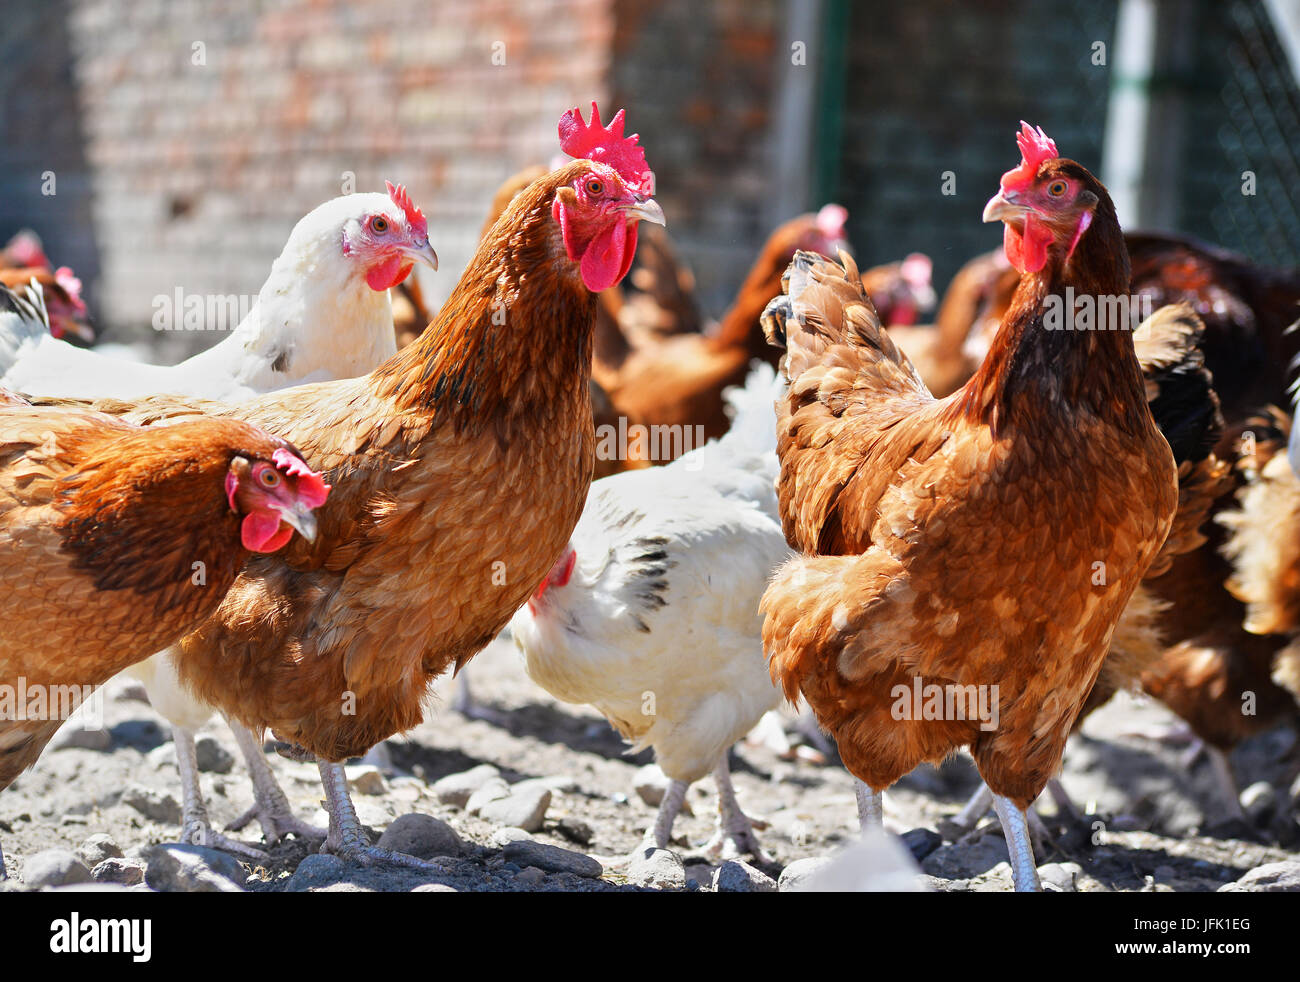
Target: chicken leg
column 982, row 800
column 270, row 806
column 735, row 834
column 871, row 806
column 196, row 827
column 3, row 874
column 662, row 831
column 975, row 809
column 347, row 837
column 1024, row 871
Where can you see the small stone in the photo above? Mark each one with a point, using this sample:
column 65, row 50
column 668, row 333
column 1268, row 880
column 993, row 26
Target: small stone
column 576, row 830
column 921, row 842
column 503, row 837
column 175, row 868
column 72, row 818
column 212, row 757
column 699, row 875
column 1060, row 877
column 1259, row 800
column 83, row 738
column 422, row 836
column 367, row 779
column 658, row 869
column 55, row 868
column 98, row 848
column 132, row 691
column 795, row 877
column 523, row 808
column 490, row 791
column 435, row 888
column 530, row 876
column 1283, row 877
column 734, row 876
column 650, row 784
column 551, row 858
column 127, row 872
column 315, row 871
column 158, row 806
column 455, row 789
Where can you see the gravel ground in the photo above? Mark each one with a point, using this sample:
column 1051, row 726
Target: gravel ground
column 102, row 805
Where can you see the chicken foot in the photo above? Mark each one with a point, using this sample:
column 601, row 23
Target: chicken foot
column 1015, row 826
column 735, row 834
column 270, row 806
column 347, row 837
column 196, row 827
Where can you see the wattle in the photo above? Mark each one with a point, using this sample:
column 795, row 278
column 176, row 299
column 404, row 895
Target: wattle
column 608, row 256
column 1027, row 252
column 388, row 274
column 262, row 531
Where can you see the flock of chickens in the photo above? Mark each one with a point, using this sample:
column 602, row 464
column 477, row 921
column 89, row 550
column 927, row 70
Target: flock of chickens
column 304, row 526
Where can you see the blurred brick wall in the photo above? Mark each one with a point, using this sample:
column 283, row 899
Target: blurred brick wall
column 202, row 170
column 699, row 82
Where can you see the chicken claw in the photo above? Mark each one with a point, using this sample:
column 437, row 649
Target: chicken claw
column 196, row 827
column 348, row 838
column 735, row 835
column 270, row 806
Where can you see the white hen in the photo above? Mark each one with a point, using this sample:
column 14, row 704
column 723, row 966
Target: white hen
column 323, row 313
column 651, row 615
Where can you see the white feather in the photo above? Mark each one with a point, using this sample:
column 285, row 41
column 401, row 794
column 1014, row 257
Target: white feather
column 658, row 627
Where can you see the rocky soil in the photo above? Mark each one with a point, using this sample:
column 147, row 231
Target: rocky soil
column 541, row 796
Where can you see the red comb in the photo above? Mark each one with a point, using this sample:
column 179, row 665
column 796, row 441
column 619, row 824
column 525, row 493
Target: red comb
column 414, row 217
column 1035, row 147
column 607, row 145
column 311, row 489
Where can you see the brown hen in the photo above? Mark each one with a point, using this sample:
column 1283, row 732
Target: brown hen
column 989, row 541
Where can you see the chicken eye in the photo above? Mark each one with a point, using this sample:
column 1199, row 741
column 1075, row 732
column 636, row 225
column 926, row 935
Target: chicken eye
column 270, row 478
column 595, row 186
column 379, row 224
column 1057, row 188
